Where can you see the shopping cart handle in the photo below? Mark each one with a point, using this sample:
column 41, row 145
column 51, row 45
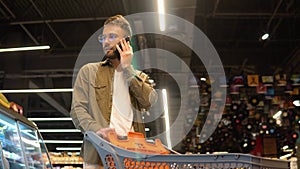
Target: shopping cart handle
column 101, row 144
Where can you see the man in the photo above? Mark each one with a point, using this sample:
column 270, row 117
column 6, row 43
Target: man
column 111, row 94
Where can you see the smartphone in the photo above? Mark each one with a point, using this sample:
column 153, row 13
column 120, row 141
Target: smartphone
column 116, row 52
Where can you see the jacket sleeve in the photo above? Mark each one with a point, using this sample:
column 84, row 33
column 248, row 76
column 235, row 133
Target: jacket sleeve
column 80, row 115
column 140, row 87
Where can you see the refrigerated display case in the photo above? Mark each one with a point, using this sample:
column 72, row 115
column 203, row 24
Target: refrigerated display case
column 22, row 146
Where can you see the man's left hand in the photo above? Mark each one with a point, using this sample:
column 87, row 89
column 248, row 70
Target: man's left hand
column 126, row 53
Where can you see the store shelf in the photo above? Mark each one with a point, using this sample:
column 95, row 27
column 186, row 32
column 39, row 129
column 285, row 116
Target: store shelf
column 62, row 161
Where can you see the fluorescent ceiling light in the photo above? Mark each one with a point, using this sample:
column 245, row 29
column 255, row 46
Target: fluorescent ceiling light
column 63, row 141
column 167, row 122
column 161, row 16
column 36, row 90
column 51, row 119
column 285, row 156
column 265, row 36
column 72, row 153
column 296, row 103
column 59, row 130
column 277, row 115
column 67, row 148
column 25, row 48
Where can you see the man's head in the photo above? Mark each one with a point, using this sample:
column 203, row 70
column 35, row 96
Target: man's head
column 115, row 28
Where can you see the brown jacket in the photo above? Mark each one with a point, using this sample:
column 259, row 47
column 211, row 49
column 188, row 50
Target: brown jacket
column 92, row 101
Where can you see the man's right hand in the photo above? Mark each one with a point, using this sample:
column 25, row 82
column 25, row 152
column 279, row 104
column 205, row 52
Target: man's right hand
column 104, row 133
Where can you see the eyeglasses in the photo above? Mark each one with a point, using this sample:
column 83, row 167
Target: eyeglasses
column 111, row 37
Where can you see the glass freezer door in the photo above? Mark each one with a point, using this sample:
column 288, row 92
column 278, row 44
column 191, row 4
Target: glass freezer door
column 11, row 146
column 1, row 157
column 31, row 146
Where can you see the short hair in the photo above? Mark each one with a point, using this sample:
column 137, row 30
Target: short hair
column 119, row 20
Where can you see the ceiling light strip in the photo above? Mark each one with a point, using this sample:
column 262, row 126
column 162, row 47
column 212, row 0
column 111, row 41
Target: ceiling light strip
column 161, row 11
column 72, row 153
column 59, row 130
column 51, row 119
column 68, row 148
column 296, row 103
column 26, row 48
column 63, row 141
column 37, row 90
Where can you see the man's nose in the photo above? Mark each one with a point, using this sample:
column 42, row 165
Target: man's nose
column 106, row 40
column 106, row 43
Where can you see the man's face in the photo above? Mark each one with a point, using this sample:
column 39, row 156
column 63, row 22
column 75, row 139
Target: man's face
column 111, row 35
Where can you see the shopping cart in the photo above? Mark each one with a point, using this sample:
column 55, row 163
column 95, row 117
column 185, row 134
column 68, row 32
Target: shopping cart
column 114, row 157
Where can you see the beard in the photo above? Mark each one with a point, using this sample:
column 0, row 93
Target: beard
column 113, row 53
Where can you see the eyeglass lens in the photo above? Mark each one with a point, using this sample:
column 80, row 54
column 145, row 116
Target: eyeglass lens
column 111, row 37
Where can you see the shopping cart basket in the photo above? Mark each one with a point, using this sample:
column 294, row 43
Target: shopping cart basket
column 114, row 157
